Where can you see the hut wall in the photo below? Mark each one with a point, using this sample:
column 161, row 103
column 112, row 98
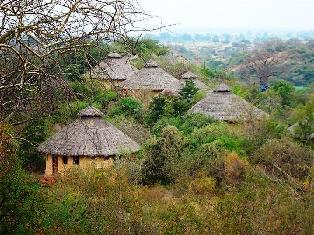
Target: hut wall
column 63, row 167
column 48, row 170
column 85, row 163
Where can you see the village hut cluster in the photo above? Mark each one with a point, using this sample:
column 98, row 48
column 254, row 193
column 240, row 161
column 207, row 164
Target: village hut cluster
column 91, row 142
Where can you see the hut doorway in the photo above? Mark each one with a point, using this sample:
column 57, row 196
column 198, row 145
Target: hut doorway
column 54, row 164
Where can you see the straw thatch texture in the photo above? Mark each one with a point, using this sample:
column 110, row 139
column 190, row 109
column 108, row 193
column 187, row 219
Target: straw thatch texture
column 152, row 77
column 89, row 136
column 226, row 106
column 191, row 76
column 114, row 67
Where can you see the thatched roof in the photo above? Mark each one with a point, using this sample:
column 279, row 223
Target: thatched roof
column 89, row 135
column 191, row 76
column 222, row 88
column 152, row 77
column 115, row 67
column 222, row 104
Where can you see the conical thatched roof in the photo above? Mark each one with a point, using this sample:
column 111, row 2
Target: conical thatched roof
column 89, row 135
column 114, row 67
column 191, row 76
column 222, row 88
column 152, row 77
column 222, row 104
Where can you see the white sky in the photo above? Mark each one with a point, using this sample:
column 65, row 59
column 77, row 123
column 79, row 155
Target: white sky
column 198, row 15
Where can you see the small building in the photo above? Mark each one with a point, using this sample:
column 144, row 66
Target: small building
column 114, row 69
column 222, row 104
column 193, row 77
column 152, row 80
column 87, row 142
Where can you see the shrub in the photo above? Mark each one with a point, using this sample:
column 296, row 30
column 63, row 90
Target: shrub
column 218, row 131
column 202, row 185
column 33, row 134
column 235, row 168
column 209, row 158
column 166, row 106
column 285, row 90
column 193, row 121
column 258, row 132
column 269, row 101
column 165, row 121
column 259, row 204
column 129, row 107
column 284, row 159
column 303, row 115
column 162, row 156
column 21, row 203
column 93, row 91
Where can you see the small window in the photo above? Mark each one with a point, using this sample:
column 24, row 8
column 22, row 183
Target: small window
column 65, row 160
column 76, row 160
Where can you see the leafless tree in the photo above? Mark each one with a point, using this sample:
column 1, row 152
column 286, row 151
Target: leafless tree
column 265, row 61
column 34, row 33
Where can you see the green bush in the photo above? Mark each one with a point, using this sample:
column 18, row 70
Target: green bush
column 285, row 90
column 21, row 204
column 93, row 91
column 303, row 115
column 193, row 121
column 162, row 156
column 166, row 106
column 218, row 131
column 129, row 107
column 165, row 121
column 285, row 159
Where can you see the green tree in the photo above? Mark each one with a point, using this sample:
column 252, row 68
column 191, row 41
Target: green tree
column 189, row 90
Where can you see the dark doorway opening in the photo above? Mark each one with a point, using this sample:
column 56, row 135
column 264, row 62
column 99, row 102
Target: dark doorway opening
column 76, row 160
column 65, row 160
column 54, row 164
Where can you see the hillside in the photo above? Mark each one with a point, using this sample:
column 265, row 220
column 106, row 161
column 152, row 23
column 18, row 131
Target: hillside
column 103, row 131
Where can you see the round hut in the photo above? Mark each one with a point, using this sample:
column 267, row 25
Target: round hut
column 114, row 69
column 193, row 77
column 89, row 141
column 152, row 78
column 223, row 105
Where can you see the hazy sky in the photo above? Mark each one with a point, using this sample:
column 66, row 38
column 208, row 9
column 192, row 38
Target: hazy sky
column 198, row 15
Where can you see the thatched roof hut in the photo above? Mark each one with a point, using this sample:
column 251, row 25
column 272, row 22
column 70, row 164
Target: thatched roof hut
column 115, row 67
column 89, row 136
column 191, row 76
column 223, row 105
column 153, row 78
